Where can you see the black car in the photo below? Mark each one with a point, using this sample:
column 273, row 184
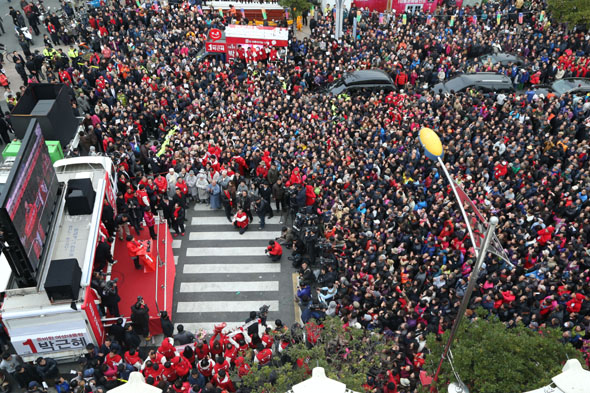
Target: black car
column 576, row 86
column 503, row 59
column 362, row 81
column 481, row 81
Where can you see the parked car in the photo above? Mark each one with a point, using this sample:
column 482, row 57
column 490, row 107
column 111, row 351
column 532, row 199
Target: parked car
column 362, row 81
column 482, row 81
column 502, row 58
column 575, row 86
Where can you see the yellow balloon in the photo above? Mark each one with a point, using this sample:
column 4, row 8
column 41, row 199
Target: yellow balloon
column 431, row 142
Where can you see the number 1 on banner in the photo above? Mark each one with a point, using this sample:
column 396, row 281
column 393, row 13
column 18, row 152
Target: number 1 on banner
column 31, row 345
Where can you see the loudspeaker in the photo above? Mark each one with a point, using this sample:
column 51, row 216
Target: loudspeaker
column 63, row 280
column 80, row 197
column 51, row 105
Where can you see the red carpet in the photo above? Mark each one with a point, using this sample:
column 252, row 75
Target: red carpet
column 155, row 287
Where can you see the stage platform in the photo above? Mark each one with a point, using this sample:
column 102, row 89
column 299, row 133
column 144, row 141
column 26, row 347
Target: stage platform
column 156, row 287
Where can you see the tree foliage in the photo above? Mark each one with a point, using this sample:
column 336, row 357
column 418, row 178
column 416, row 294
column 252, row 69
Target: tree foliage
column 490, row 358
column 573, row 12
column 347, row 356
column 296, row 6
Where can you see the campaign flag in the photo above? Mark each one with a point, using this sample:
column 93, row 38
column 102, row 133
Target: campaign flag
column 243, row 13
column 479, row 226
column 359, row 15
column 221, row 12
column 452, row 21
column 312, row 11
column 200, row 10
column 404, row 19
column 520, row 18
column 498, row 18
column 381, row 19
column 263, row 14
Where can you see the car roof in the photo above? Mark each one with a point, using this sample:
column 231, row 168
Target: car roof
column 360, row 77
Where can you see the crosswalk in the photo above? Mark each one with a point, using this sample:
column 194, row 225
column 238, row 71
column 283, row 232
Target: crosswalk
column 222, row 276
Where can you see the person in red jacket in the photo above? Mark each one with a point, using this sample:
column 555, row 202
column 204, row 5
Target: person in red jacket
column 181, row 366
column 181, row 387
column 162, row 184
column 167, row 348
column 401, row 79
column 274, row 251
column 153, row 370
column 133, row 248
column 222, row 381
column 169, row 372
column 201, row 349
column 242, row 366
column 310, row 195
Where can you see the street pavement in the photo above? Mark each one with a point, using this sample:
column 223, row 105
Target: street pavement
column 221, row 275
column 10, row 42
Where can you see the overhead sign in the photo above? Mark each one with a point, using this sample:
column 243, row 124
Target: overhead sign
column 215, row 47
column 214, row 34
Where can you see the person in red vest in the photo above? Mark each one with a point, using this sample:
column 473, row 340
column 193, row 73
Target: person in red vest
column 142, row 196
column 222, row 381
column 205, row 367
column 113, row 359
column 153, row 370
column 220, row 364
column 242, row 366
column 153, row 357
column 133, row 248
column 241, row 221
column 263, row 355
column 133, row 358
column 274, row 251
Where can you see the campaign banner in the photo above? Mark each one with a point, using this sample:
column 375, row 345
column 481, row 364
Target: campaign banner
column 215, row 47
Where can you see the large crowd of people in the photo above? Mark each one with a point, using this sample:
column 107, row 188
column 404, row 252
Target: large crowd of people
column 258, row 131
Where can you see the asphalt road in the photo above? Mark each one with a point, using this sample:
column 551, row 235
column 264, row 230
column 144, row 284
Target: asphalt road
column 221, row 275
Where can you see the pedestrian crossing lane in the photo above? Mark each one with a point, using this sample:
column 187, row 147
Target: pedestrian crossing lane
column 224, row 275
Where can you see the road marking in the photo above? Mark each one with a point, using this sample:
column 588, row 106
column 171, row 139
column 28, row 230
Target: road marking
column 176, row 243
column 230, row 286
column 224, row 251
column 202, row 207
column 234, row 268
column 176, row 259
column 222, row 220
column 254, row 235
column 226, row 306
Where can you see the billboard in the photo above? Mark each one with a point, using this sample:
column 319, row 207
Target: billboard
column 28, row 198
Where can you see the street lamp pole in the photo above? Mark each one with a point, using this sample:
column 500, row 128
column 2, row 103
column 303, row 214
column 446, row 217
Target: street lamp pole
column 338, row 20
column 467, row 296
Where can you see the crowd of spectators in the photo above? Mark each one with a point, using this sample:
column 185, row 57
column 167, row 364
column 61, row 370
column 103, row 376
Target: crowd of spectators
column 182, row 129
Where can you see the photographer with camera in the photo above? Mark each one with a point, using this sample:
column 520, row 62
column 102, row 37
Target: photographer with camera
column 140, row 318
column 110, row 298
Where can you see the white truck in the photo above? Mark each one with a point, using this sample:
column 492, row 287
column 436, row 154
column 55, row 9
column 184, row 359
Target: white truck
column 36, row 325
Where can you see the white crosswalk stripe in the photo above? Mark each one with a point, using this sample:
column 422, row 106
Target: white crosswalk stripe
column 224, row 251
column 223, row 275
column 222, row 220
column 227, row 306
column 230, row 286
column 234, row 268
column 258, row 235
